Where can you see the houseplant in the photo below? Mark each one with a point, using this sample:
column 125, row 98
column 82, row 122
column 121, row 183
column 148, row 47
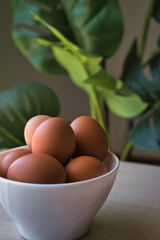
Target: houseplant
column 18, row 105
column 84, row 24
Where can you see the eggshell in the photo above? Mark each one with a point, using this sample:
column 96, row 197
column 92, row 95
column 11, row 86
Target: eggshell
column 10, row 158
column 91, row 139
column 31, row 126
column 56, row 138
column 37, row 168
column 84, row 168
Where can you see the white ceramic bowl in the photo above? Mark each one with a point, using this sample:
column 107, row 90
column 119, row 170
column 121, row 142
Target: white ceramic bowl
column 56, row 211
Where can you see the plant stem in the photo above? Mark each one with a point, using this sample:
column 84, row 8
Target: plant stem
column 92, row 108
column 106, row 110
column 126, row 151
column 98, row 108
column 94, row 101
column 145, row 31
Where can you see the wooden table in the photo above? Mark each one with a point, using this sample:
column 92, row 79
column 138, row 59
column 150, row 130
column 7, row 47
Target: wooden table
column 131, row 212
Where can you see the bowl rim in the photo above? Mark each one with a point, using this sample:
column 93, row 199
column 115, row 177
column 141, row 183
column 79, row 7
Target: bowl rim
column 5, row 180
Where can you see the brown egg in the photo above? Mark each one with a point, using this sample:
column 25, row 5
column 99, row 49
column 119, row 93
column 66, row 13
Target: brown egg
column 31, row 126
column 11, row 157
column 56, row 138
column 37, row 168
column 84, row 168
column 91, row 139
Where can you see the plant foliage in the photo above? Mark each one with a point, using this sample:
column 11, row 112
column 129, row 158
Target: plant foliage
column 146, row 132
column 18, row 105
column 76, row 63
column 96, row 26
column 74, row 37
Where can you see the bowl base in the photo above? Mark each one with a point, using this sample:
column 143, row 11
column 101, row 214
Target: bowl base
column 29, row 236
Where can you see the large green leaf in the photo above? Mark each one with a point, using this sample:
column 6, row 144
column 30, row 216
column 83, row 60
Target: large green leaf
column 118, row 97
column 156, row 11
column 123, row 106
column 146, row 133
column 25, row 31
column 73, row 66
column 105, row 80
column 97, row 25
column 21, row 103
column 41, row 99
column 79, row 64
column 133, row 75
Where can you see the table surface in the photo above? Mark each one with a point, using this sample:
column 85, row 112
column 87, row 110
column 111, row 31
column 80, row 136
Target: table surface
column 131, row 212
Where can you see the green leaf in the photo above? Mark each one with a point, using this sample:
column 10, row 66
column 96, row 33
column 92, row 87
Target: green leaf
column 79, row 64
column 41, row 98
column 25, row 31
column 133, row 75
column 90, row 61
column 111, row 89
column 76, row 64
column 146, row 133
column 124, row 106
column 56, row 33
column 73, row 66
column 156, row 11
column 106, row 81
column 18, row 105
column 97, row 25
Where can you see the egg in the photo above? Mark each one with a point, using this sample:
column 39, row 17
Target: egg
column 91, row 139
column 10, row 158
column 31, row 126
column 84, row 168
column 37, row 168
column 56, row 138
